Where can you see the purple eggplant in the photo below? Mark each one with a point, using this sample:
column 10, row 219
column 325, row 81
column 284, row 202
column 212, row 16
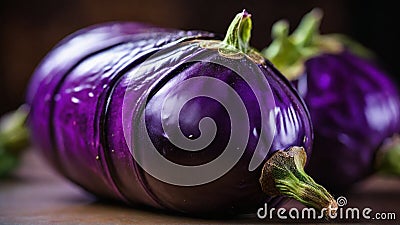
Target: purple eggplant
column 95, row 90
column 354, row 106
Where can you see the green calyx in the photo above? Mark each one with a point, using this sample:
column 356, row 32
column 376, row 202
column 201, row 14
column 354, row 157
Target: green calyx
column 289, row 52
column 236, row 43
column 387, row 160
column 14, row 138
column 283, row 174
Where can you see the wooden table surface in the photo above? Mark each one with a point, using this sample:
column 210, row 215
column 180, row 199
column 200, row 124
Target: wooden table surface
column 34, row 194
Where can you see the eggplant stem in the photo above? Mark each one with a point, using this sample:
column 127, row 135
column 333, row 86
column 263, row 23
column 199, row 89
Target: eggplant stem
column 236, row 43
column 239, row 32
column 289, row 52
column 283, row 174
column 14, row 138
column 387, row 160
column 308, row 28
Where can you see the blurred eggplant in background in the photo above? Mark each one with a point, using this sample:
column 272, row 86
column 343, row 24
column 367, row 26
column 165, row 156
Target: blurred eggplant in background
column 354, row 105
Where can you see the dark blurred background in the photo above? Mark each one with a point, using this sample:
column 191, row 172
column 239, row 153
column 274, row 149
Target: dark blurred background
column 29, row 29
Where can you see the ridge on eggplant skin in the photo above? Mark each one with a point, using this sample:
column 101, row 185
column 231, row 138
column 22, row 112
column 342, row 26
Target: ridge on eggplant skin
column 101, row 45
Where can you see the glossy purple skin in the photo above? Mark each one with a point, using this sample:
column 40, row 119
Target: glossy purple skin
column 77, row 121
column 354, row 107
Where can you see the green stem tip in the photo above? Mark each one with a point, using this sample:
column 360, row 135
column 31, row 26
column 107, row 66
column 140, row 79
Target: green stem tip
column 308, row 28
column 14, row 138
column 289, row 52
column 283, row 174
column 239, row 32
column 387, row 160
column 236, row 43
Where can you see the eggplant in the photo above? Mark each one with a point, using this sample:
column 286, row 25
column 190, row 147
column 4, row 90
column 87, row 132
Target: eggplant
column 353, row 103
column 108, row 104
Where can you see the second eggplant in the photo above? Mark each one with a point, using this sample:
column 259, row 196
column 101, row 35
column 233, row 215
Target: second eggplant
column 354, row 105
